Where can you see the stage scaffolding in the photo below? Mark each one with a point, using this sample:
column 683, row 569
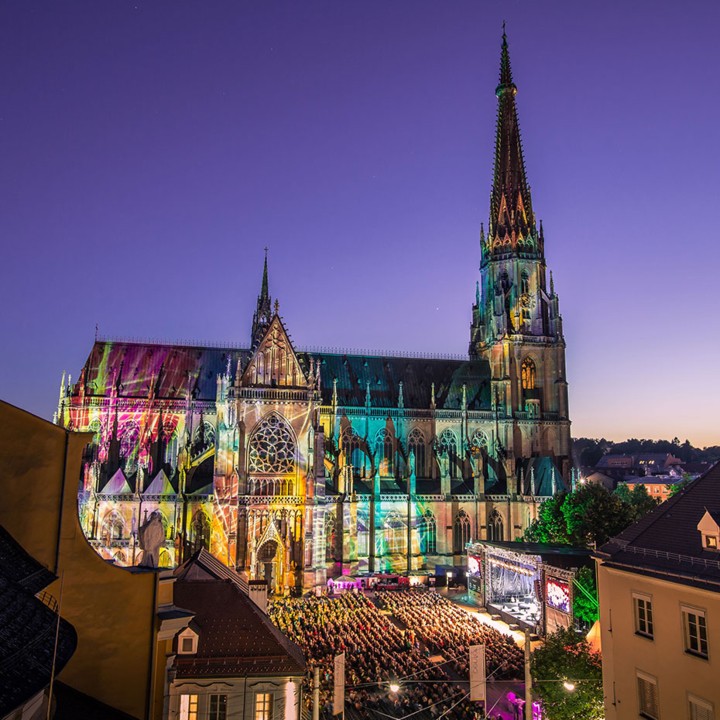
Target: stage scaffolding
column 528, row 585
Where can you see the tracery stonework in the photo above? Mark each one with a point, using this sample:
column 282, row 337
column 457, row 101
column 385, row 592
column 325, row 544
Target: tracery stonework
column 272, row 447
column 294, row 467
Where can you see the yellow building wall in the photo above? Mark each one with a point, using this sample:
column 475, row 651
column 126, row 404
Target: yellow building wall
column 112, row 610
column 678, row 673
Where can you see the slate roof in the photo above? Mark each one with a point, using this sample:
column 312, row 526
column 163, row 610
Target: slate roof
column 667, row 540
column 235, row 637
column 174, row 370
column 27, row 628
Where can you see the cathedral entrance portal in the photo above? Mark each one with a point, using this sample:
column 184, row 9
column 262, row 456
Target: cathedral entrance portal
column 269, row 565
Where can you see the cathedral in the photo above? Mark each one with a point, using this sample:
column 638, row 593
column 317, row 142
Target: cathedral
column 297, row 467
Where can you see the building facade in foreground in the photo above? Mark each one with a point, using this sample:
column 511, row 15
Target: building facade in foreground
column 659, row 589
column 298, row 466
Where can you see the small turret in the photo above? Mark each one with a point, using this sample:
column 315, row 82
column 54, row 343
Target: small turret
column 263, row 313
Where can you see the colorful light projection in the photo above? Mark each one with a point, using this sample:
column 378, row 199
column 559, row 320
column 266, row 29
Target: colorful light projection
column 557, row 594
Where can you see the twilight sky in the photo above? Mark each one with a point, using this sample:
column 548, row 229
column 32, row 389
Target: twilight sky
column 150, row 150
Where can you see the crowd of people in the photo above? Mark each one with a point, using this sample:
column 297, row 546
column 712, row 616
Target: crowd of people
column 380, row 651
column 447, row 629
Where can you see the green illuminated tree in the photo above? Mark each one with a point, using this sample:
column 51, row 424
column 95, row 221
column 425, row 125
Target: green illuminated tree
column 566, row 656
column 585, row 597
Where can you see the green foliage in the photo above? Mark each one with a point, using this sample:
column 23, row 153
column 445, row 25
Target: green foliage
column 639, row 502
column 567, row 656
column 585, row 597
column 587, row 517
column 677, row 487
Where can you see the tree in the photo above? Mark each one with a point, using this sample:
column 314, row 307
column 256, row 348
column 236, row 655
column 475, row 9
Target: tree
column 566, row 656
column 550, row 526
column 638, row 501
column 585, row 597
column 593, row 515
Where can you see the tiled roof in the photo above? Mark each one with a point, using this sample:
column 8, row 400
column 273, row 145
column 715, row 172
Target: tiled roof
column 27, row 628
column 174, row 370
column 667, row 540
column 235, row 637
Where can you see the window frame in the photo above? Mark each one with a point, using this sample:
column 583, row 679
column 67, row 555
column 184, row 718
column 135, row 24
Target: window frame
column 647, row 633
column 644, row 677
column 219, row 712
column 265, row 712
column 701, row 704
column 686, row 611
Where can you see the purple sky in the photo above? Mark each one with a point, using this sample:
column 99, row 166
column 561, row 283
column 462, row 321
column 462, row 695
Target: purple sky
column 150, row 150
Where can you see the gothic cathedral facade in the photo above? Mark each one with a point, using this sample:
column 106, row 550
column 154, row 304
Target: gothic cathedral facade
column 296, row 467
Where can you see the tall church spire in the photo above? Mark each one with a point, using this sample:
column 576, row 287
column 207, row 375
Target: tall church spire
column 512, row 221
column 263, row 312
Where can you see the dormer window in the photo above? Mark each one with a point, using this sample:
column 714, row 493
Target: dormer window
column 187, row 642
column 709, row 529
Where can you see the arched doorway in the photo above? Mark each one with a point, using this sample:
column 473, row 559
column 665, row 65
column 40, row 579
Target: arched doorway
column 267, row 564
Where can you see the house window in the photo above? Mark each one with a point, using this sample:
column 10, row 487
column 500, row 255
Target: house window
column 263, row 706
column 648, row 696
column 187, row 645
column 695, row 632
column 643, row 615
column 188, row 707
column 218, row 707
column 711, row 542
column 700, row 709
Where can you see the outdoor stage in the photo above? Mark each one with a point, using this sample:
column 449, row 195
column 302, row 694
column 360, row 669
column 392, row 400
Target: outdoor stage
column 527, row 585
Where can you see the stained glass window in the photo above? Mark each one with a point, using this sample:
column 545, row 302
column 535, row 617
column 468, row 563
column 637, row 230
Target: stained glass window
column 272, row 447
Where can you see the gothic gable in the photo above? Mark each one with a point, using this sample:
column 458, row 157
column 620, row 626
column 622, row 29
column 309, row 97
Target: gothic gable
column 274, row 362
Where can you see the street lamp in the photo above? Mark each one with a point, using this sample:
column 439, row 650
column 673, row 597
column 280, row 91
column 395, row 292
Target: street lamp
column 569, row 686
column 394, row 687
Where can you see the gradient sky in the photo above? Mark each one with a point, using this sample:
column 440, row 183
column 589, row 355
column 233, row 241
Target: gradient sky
column 150, row 150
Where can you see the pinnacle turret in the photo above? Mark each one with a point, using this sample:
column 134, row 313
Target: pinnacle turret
column 263, row 312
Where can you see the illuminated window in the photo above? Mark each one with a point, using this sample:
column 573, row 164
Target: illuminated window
column 416, row 444
column 351, row 446
column 395, row 534
column 384, row 451
column 648, row 704
column 272, row 447
column 129, row 448
column 428, row 534
column 448, row 445
column 363, row 535
column 700, row 709
column 188, row 707
column 695, row 632
column 218, row 707
column 643, row 611
column 263, row 706
column 528, row 374
column 495, row 529
column 461, row 532
column 711, row 542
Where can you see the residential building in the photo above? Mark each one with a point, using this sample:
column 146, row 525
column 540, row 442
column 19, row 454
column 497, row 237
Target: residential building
column 659, row 591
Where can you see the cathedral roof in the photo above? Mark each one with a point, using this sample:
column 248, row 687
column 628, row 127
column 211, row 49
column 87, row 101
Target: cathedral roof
column 172, row 371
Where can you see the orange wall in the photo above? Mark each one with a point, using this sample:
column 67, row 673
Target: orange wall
column 112, row 609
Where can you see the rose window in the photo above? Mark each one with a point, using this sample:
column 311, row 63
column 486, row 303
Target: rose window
column 272, row 447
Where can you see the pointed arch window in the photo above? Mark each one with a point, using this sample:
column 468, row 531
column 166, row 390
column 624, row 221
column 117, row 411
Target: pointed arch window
column 129, row 448
column 495, row 527
column 428, row 534
column 203, row 438
column 363, row 535
column 200, row 529
column 113, row 527
column 385, row 452
column 525, row 283
column 272, row 449
column 416, row 444
column 461, row 532
column 353, row 452
column 447, row 444
column 528, row 374
column 395, row 534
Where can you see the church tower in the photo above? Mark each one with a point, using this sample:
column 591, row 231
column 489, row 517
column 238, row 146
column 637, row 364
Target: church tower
column 516, row 322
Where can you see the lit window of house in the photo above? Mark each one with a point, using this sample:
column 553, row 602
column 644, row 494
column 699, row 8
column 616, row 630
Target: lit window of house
column 188, row 707
column 263, row 706
column 709, row 530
